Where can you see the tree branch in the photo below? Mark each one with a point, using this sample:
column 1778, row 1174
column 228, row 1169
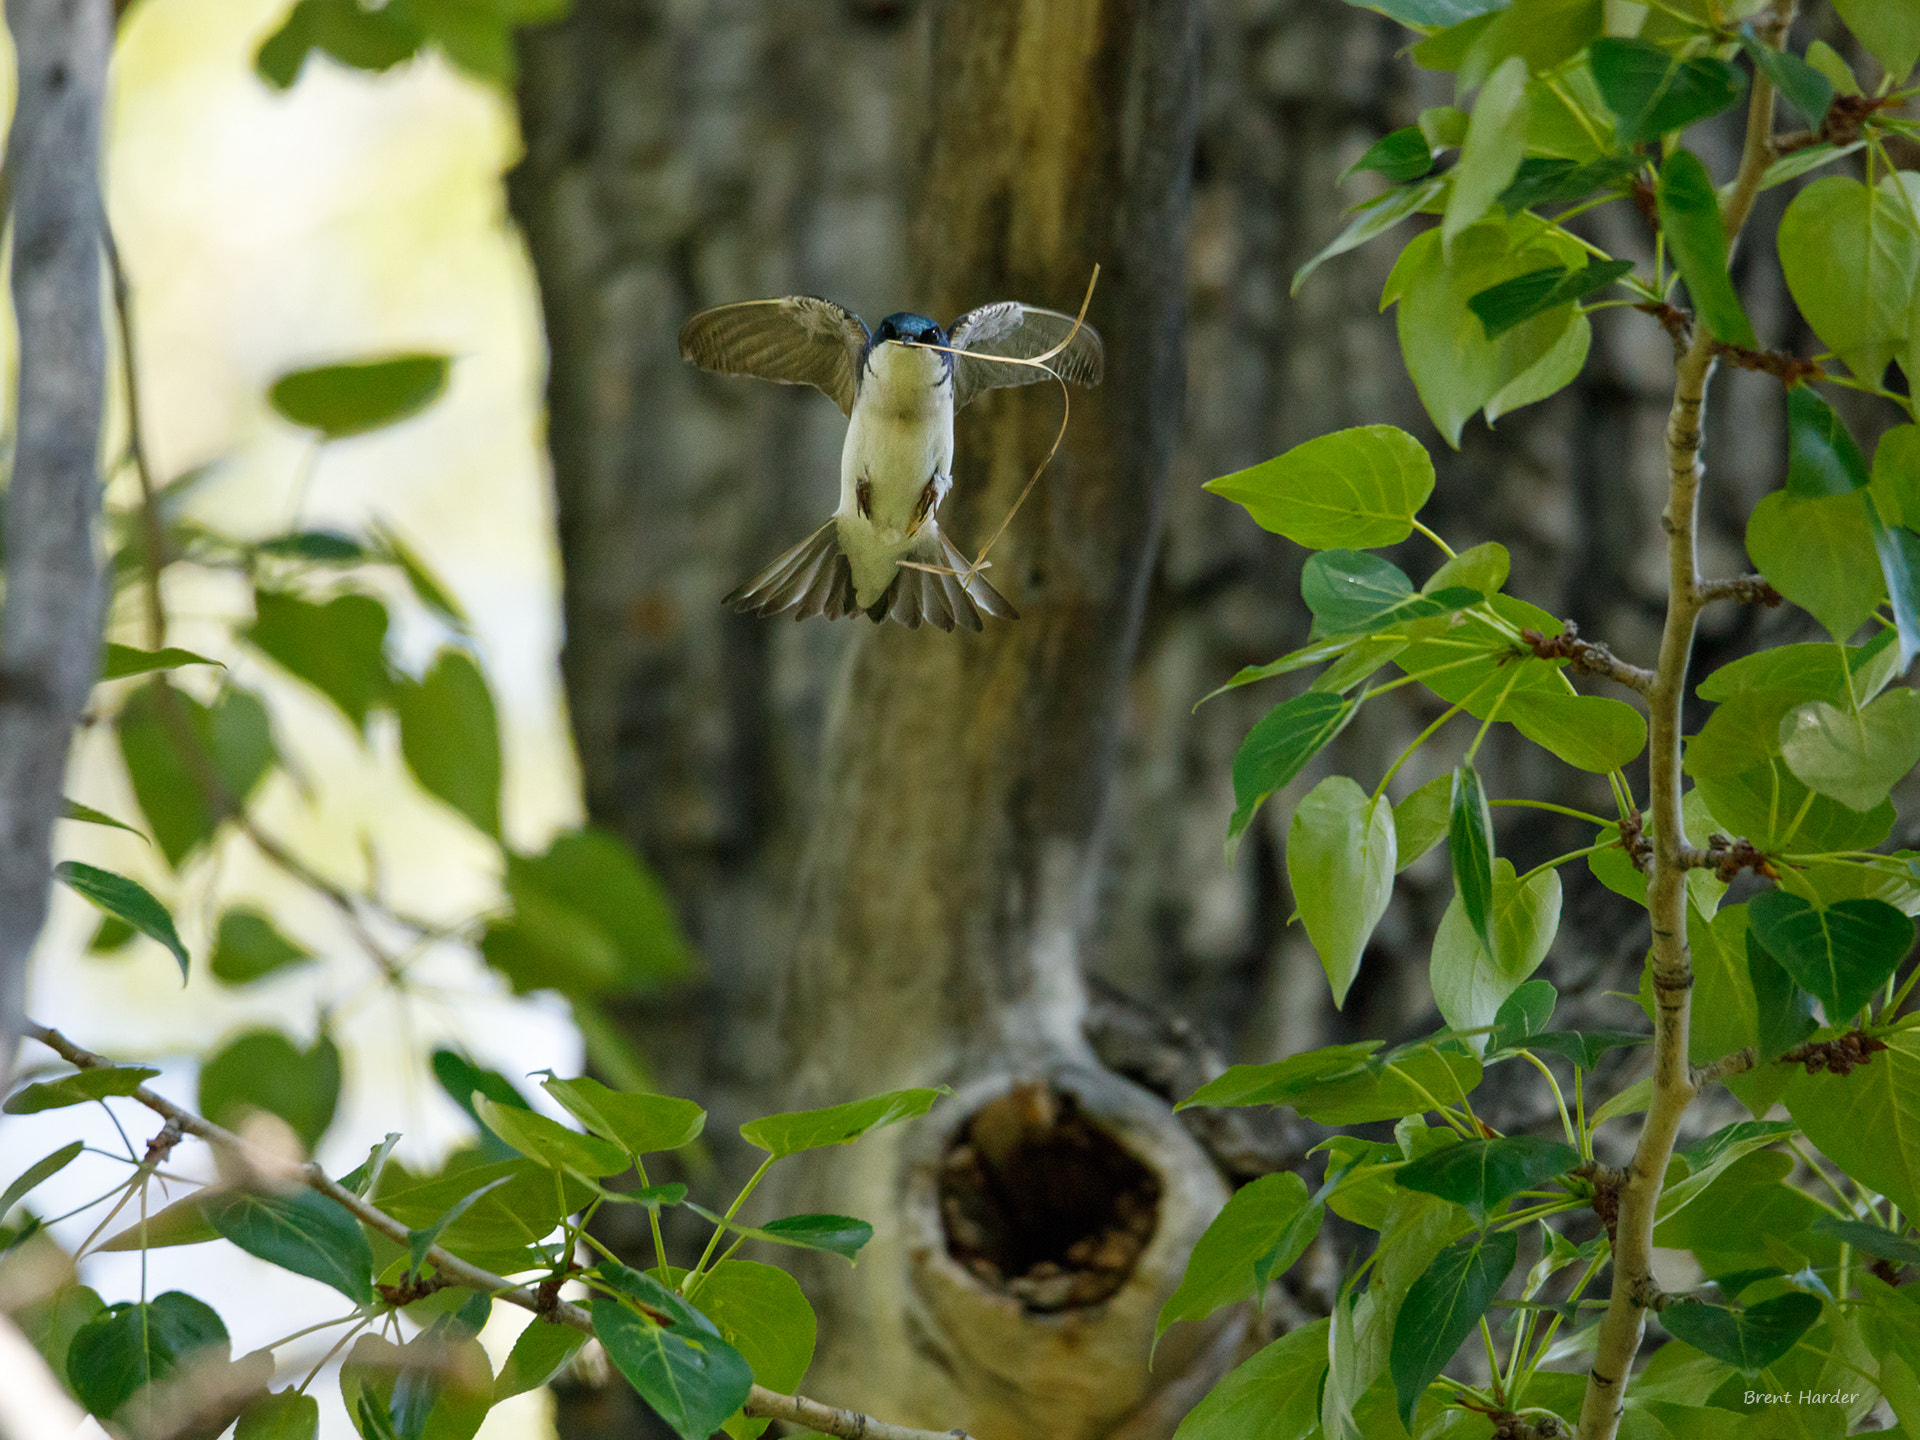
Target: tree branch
column 1674, row 1083
column 50, row 632
column 762, row 1403
column 1747, row 589
column 1588, row 657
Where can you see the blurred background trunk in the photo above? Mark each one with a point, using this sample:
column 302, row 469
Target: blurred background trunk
column 929, row 890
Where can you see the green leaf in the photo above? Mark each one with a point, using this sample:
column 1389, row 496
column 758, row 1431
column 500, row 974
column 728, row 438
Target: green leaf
column 518, row 1214
column 128, row 900
column 1768, row 806
column 1748, row 1339
column 1503, row 306
column 588, row 920
column 1822, row 459
column 1546, row 181
column 1350, row 1084
column 323, row 547
column 286, row 1415
column 1274, row 1394
column 1470, row 981
column 1898, row 549
column 690, row 1377
column 1854, row 757
column 74, row 810
column 1429, row 14
column 1842, row 954
column 1262, row 1230
column 96, row 1084
column 1825, row 59
column 304, row 1232
column 638, row 1124
column 235, row 736
column 1784, row 1010
column 1710, row 1157
column 264, row 1070
column 1350, row 591
column 1340, row 863
column 1401, row 155
column 40, row 1170
column 338, row 647
column 247, row 947
column 1279, row 746
column 1490, row 155
column 798, row 1130
column 1480, row 1174
column 1804, row 87
column 1807, row 672
column 437, row 1386
column 1850, row 254
column 1420, row 820
column 1868, row 1122
column 423, row 1240
column 1896, row 476
column 550, row 1142
column 123, row 660
column 1522, row 1015
column 536, row 1357
column 361, row 395
column 1441, row 1309
column 1875, row 1240
column 131, row 1345
column 840, row 1235
column 1372, row 219
column 1697, row 238
column 450, row 737
column 184, row 1222
column 1470, row 848
column 426, row 588
column 1820, row 555
column 1584, row 1047
column 1889, row 29
column 1358, row 488
column 460, row 1078
column 1653, row 91
column 761, row 1312
column 1455, row 367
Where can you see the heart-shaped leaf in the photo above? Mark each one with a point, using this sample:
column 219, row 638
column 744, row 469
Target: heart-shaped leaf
column 687, row 1374
column 1653, row 92
column 639, row 1124
column 265, row 1070
column 799, row 1130
column 1783, row 1011
column 1856, row 757
column 1746, row 1339
column 1470, row 847
column 1841, row 954
column 1850, row 253
column 1522, row 1014
column 1265, row 1226
column 1470, row 980
column 1340, row 863
column 1359, row 487
column 550, row 1142
column 304, row 1232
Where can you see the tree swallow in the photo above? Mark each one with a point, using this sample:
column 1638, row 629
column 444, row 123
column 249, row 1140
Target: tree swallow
column 899, row 397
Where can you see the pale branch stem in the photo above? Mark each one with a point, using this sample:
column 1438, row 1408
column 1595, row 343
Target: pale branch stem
column 1725, row 1068
column 1588, row 657
column 761, row 1404
column 1746, row 589
column 1674, row 1084
column 50, row 626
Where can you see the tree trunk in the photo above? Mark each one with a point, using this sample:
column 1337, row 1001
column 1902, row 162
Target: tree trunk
column 956, row 859
column 50, row 632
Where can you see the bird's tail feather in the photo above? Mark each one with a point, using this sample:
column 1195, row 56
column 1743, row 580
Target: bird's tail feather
column 814, row 578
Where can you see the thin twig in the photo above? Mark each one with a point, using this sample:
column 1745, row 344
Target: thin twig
column 761, row 1404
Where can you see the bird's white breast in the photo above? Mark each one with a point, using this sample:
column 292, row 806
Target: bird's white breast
column 899, row 438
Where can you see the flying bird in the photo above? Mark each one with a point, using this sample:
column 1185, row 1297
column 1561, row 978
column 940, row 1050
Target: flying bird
column 899, row 396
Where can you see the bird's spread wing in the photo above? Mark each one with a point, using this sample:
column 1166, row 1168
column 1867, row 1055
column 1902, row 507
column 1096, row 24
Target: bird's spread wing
column 1021, row 331
column 796, row 340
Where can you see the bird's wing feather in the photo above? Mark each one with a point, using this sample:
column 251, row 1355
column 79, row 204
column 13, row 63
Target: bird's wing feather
column 1022, row 332
column 795, row 340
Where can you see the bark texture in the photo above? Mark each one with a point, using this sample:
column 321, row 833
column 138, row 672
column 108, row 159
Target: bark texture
column 684, row 155
column 50, row 630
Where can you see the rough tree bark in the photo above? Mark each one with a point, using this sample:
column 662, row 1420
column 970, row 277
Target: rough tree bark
column 50, row 631
column 955, row 861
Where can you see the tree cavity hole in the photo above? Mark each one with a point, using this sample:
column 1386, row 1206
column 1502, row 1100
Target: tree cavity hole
column 1041, row 1202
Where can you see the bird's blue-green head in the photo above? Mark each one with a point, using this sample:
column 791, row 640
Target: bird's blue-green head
column 917, row 329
